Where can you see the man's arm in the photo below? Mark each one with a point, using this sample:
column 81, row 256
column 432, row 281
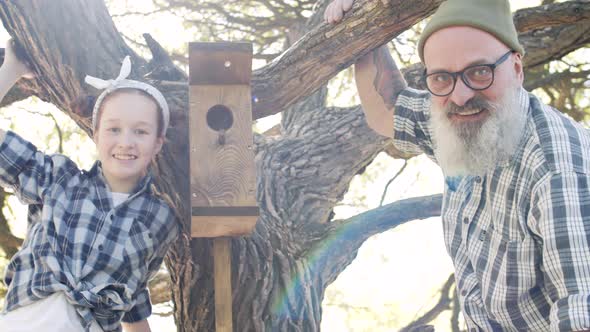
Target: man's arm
column 379, row 82
column 559, row 216
column 378, row 79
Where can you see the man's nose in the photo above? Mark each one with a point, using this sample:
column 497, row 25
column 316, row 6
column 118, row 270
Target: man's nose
column 462, row 93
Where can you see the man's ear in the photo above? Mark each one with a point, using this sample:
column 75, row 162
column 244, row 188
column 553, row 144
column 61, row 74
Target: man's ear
column 518, row 67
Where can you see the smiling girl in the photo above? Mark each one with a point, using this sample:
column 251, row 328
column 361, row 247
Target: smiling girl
column 95, row 237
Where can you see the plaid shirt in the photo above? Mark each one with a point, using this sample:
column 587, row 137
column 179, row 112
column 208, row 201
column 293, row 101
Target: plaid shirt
column 101, row 257
column 519, row 237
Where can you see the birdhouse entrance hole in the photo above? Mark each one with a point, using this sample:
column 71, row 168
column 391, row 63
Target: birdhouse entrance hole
column 220, row 118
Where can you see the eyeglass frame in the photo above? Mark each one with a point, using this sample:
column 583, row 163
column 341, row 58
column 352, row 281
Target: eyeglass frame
column 461, row 73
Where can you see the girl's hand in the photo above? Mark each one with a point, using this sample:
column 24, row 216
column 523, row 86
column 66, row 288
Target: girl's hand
column 14, row 64
column 336, row 9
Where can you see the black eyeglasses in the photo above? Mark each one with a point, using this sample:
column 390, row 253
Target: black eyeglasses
column 476, row 77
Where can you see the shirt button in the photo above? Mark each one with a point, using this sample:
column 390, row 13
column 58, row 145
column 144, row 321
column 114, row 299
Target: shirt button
column 464, row 292
column 465, row 220
column 482, row 236
column 112, row 217
column 100, row 247
column 478, row 179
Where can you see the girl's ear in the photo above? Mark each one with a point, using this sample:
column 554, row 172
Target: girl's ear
column 159, row 144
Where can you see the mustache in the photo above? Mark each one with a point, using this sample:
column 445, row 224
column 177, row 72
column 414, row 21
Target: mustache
column 475, row 103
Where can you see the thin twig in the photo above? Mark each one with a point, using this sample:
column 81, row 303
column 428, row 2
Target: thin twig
column 390, row 181
column 57, row 127
column 444, row 303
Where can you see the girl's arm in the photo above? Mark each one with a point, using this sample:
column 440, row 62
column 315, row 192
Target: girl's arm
column 29, row 172
column 11, row 71
column 141, row 326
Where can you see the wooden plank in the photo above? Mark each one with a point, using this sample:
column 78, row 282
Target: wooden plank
column 226, row 211
column 222, row 280
column 222, row 162
column 220, row 63
column 222, row 226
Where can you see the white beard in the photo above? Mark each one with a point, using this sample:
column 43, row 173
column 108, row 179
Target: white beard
column 476, row 148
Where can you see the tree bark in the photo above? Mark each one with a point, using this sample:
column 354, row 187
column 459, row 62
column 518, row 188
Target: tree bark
column 333, row 48
column 549, row 15
column 8, row 242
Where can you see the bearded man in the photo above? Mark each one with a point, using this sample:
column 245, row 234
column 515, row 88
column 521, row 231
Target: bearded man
column 516, row 210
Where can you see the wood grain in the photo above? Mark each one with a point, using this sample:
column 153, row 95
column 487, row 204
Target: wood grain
column 222, row 275
column 220, row 63
column 221, row 226
column 222, row 174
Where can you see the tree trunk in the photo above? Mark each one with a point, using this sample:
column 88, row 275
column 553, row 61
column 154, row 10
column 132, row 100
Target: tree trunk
column 280, row 272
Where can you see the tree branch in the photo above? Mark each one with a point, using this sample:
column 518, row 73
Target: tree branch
column 549, row 15
column 545, row 45
column 550, row 79
column 60, row 148
column 302, row 175
column 136, row 13
column 161, row 66
column 335, row 47
column 391, row 181
column 370, row 25
column 20, row 91
column 346, row 236
column 444, row 303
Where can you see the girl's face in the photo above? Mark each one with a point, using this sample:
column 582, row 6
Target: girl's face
column 127, row 138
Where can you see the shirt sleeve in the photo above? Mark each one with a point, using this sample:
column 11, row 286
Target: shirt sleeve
column 412, row 133
column 560, row 215
column 142, row 308
column 28, row 171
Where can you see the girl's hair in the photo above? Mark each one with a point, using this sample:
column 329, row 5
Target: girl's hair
column 84, row 105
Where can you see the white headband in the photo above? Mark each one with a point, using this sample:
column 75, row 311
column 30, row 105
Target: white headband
column 122, row 82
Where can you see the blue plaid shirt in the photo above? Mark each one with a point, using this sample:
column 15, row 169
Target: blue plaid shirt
column 100, row 256
column 519, row 236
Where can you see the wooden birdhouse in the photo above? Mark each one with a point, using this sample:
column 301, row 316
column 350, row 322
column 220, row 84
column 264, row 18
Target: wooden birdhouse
column 223, row 174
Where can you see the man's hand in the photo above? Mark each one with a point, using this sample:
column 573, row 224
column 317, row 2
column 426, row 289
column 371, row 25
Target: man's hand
column 336, row 9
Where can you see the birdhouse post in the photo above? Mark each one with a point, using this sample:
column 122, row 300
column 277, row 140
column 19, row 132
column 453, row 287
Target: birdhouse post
column 222, row 169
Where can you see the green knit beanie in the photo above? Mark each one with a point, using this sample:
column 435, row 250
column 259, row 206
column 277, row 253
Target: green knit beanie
column 492, row 16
